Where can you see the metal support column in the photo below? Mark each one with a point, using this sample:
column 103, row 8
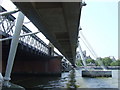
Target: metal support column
column 13, row 49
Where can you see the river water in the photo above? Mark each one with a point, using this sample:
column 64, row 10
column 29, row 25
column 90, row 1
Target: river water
column 72, row 79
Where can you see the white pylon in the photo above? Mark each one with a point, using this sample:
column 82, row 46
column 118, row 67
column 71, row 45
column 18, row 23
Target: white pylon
column 82, row 56
column 13, row 48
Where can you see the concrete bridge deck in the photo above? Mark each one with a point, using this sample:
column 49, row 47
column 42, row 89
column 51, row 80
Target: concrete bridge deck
column 58, row 21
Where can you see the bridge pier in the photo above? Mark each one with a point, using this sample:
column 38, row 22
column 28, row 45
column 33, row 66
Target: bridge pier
column 50, row 66
column 38, row 66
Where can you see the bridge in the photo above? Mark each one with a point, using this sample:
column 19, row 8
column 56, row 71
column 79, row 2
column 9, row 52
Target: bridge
column 30, row 48
column 58, row 21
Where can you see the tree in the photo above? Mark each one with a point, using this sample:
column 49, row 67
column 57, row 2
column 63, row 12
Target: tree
column 115, row 63
column 90, row 61
column 118, row 61
column 107, row 61
column 96, row 63
column 79, row 62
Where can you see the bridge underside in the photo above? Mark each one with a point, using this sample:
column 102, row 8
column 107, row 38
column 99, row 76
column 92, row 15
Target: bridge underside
column 58, row 21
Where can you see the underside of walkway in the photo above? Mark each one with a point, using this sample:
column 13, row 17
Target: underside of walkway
column 58, row 21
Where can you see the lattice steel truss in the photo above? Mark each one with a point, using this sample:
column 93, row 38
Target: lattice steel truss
column 7, row 27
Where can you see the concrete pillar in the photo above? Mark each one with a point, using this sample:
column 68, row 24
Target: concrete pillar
column 81, row 54
column 13, row 49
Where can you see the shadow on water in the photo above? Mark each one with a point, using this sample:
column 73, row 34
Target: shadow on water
column 66, row 81
column 36, row 81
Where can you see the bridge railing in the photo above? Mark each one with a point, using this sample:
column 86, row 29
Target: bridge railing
column 7, row 25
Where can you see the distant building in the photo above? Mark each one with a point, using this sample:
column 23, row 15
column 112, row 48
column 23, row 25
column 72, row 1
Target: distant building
column 89, row 57
column 78, row 56
column 84, row 53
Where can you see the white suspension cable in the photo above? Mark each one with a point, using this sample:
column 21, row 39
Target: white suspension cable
column 88, row 45
column 88, row 48
column 92, row 51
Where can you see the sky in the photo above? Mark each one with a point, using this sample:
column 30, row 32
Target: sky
column 99, row 23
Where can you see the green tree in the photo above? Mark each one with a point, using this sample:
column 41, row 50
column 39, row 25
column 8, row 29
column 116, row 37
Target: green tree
column 79, row 62
column 96, row 63
column 118, row 61
column 107, row 61
column 115, row 63
column 90, row 61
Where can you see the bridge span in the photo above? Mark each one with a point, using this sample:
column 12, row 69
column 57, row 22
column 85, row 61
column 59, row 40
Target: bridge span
column 58, row 21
